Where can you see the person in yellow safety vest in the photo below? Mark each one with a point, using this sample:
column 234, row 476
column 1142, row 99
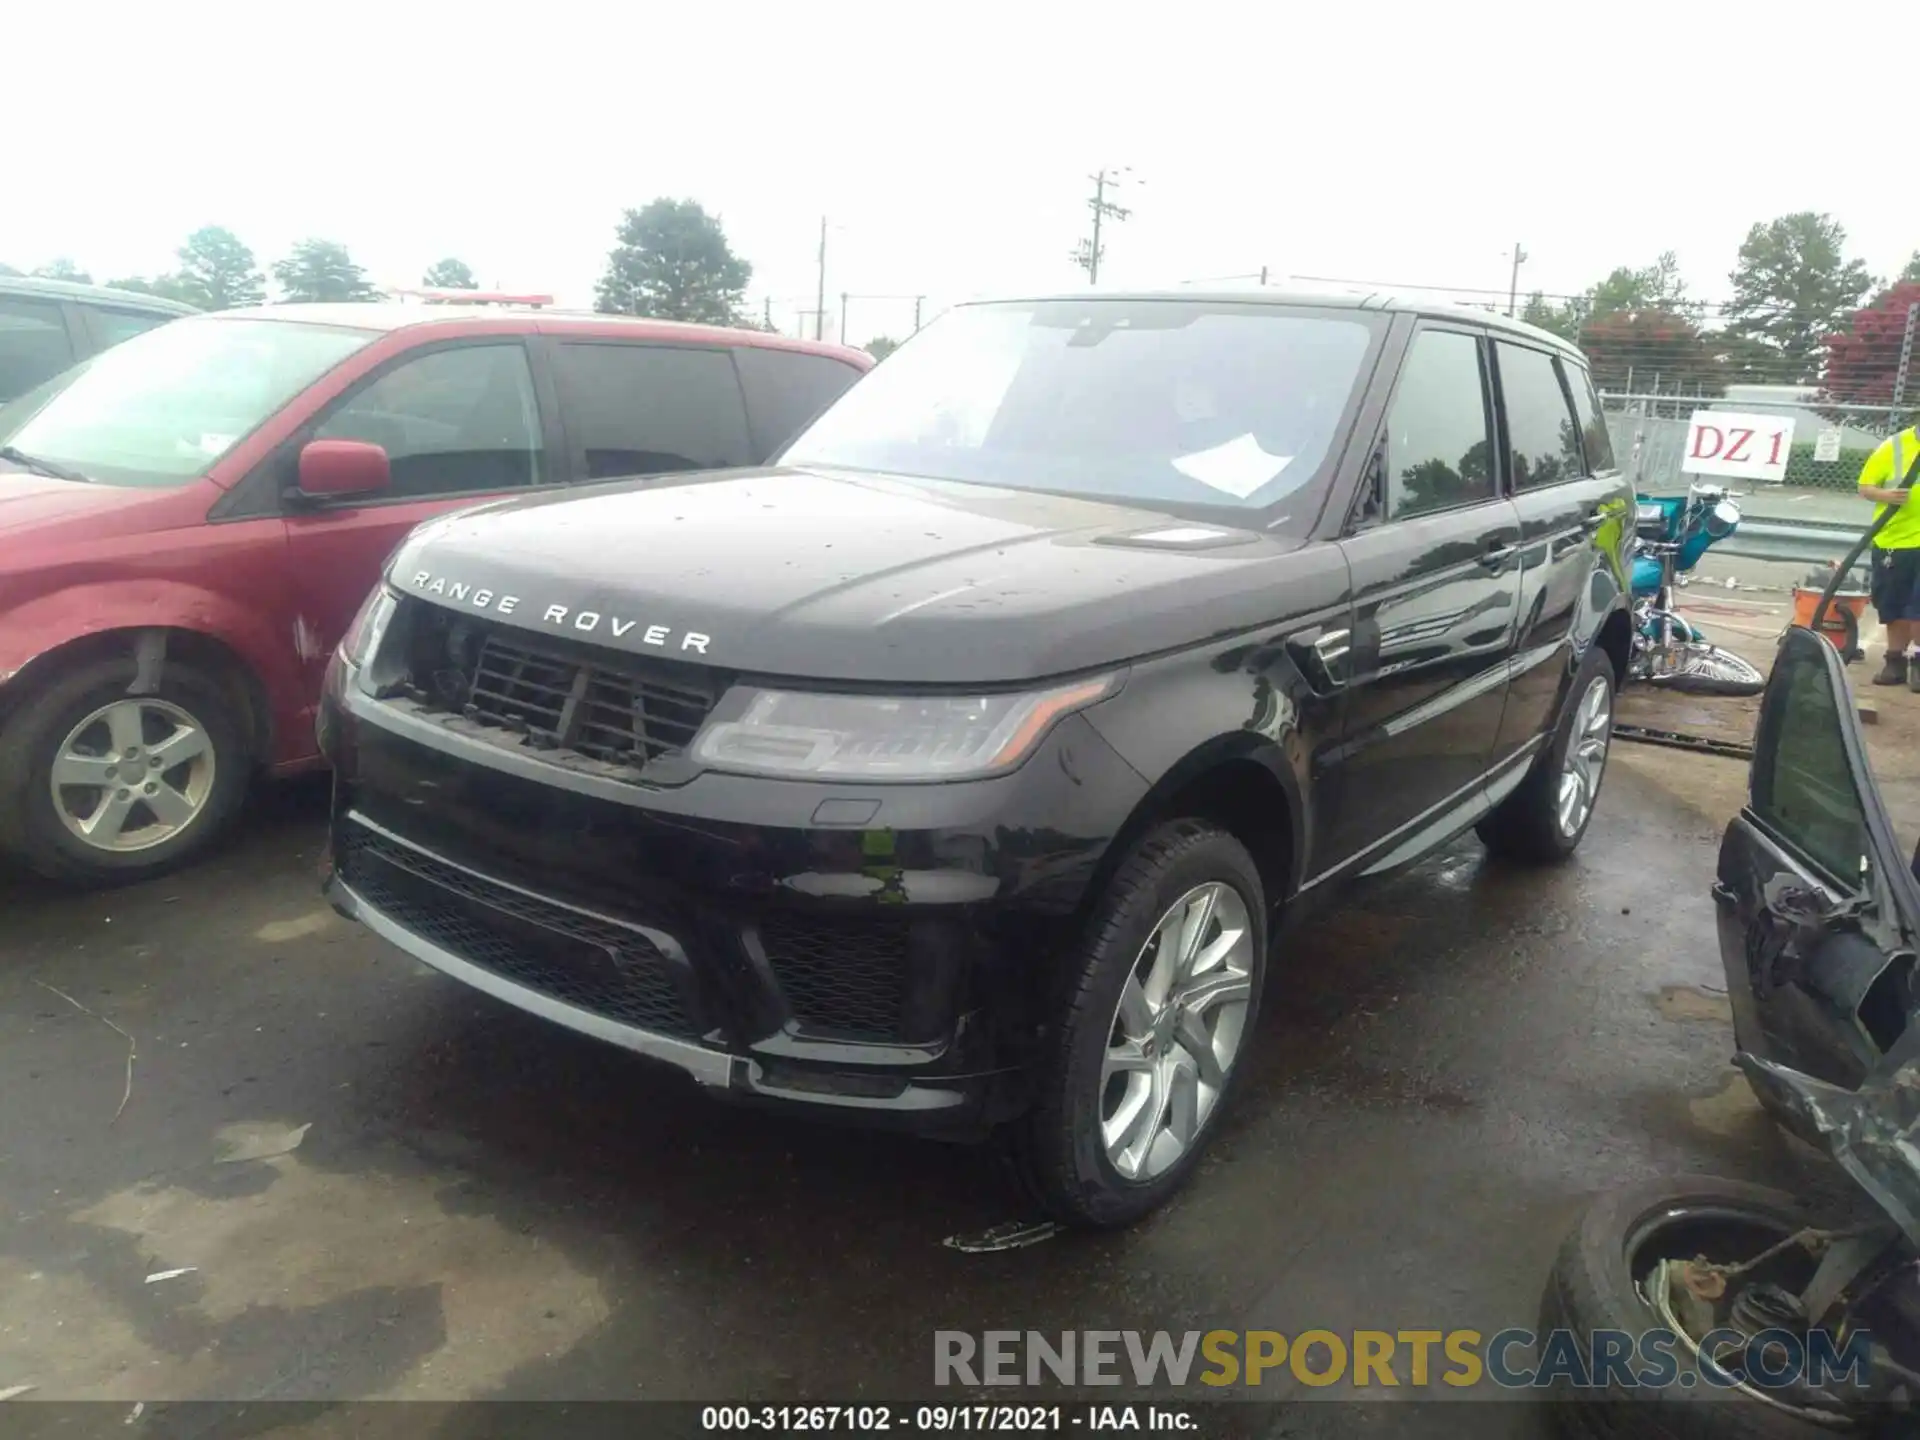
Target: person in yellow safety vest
column 1887, row 479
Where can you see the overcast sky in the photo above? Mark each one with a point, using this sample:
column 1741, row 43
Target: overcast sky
column 949, row 144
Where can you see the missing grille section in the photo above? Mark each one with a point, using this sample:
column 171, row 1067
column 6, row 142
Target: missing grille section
column 846, row 976
column 558, row 694
column 558, row 952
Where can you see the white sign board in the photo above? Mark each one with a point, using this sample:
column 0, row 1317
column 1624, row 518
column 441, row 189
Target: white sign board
column 1826, row 446
column 1740, row 447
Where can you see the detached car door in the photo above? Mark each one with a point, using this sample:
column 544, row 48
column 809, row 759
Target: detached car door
column 1819, row 910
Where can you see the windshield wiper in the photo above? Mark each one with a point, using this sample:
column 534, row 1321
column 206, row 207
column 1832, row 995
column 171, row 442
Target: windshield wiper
column 38, row 466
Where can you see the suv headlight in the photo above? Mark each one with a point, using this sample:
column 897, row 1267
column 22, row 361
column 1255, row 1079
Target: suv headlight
column 362, row 640
column 800, row 734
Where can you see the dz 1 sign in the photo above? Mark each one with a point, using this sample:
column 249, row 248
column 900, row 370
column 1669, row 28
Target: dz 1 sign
column 1741, row 447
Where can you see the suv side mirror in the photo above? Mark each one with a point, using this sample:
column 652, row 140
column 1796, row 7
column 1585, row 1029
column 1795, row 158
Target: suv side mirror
column 331, row 468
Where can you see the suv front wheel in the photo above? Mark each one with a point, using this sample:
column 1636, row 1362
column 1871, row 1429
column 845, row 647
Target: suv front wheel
column 99, row 786
column 1158, row 1015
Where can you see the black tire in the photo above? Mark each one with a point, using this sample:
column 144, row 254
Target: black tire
column 30, row 828
column 1526, row 825
column 1709, row 670
column 1057, row 1147
column 1592, row 1288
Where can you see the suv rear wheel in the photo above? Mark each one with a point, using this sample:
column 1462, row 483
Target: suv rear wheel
column 1160, row 1004
column 98, row 786
column 1546, row 817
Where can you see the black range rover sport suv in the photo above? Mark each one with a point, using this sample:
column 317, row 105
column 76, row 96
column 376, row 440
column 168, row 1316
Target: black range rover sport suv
column 955, row 771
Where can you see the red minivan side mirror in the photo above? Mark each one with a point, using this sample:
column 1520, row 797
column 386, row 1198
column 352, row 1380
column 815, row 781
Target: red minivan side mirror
column 331, row 468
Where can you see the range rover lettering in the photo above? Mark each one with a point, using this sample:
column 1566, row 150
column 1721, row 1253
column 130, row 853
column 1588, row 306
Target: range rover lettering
column 957, row 771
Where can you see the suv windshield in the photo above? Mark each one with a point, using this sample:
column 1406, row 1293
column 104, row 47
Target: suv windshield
column 1164, row 402
column 160, row 408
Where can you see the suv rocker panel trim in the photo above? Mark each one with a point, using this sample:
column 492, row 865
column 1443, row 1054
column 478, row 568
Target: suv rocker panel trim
column 1426, row 831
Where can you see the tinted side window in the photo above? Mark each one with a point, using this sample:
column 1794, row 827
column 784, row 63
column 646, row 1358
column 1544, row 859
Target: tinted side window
column 1542, row 436
column 1805, row 788
column 1438, row 451
column 649, row 409
column 110, row 327
column 786, row 392
column 1596, row 444
column 452, row 421
column 33, row 344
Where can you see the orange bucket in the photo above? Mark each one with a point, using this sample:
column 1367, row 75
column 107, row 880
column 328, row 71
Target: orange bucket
column 1842, row 623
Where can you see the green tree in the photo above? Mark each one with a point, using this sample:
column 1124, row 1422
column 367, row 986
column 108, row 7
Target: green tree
column 1656, row 287
column 1910, row 275
column 64, row 269
column 322, row 270
column 882, row 346
column 673, row 262
column 8, row 270
column 450, row 274
column 216, row 271
column 1564, row 319
column 1793, row 287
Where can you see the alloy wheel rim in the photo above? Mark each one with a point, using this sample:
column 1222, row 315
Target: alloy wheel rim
column 1586, row 757
column 1176, row 1031
column 132, row 775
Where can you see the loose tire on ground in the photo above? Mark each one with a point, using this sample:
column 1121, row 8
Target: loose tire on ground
column 31, row 829
column 1592, row 1288
column 1526, row 825
column 1059, row 1149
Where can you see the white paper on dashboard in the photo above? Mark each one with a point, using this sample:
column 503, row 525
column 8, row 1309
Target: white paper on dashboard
column 1238, row 467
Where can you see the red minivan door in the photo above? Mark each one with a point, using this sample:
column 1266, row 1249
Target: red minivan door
column 459, row 423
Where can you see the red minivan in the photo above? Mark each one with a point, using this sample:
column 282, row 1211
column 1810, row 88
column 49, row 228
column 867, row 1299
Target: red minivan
column 189, row 520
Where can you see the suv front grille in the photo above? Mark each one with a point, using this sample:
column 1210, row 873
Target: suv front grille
column 844, row 976
column 562, row 953
column 559, row 694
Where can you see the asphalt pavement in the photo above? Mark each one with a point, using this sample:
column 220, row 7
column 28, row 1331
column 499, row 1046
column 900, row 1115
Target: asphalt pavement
column 329, row 1173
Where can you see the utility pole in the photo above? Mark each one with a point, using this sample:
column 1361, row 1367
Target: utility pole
column 820, row 295
column 916, row 312
column 843, row 317
column 1087, row 256
column 1513, row 286
column 767, row 314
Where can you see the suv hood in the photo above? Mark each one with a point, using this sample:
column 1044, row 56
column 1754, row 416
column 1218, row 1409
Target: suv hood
column 857, row 577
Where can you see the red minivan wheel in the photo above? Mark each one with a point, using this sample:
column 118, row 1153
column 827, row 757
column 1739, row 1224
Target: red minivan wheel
column 100, row 787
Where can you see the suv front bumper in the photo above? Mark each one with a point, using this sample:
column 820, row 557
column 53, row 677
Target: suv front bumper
column 878, row 952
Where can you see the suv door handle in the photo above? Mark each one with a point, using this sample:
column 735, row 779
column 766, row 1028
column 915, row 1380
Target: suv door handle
column 1497, row 554
column 1594, row 521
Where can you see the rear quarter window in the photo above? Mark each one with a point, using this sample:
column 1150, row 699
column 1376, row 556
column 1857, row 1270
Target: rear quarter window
column 786, row 392
column 1593, row 423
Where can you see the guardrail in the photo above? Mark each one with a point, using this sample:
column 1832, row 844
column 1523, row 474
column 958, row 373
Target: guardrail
column 1811, row 542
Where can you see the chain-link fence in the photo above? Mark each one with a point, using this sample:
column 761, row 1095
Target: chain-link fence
column 1830, row 442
